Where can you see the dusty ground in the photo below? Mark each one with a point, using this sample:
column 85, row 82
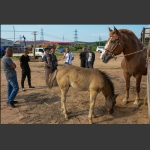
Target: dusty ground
column 42, row 106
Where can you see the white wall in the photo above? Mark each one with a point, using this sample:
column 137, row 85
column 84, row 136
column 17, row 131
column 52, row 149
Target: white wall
column 147, row 31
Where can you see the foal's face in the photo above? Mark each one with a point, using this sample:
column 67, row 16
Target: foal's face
column 110, row 103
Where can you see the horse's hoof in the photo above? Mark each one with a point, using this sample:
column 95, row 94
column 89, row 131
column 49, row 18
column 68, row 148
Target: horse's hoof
column 66, row 118
column 124, row 102
column 135, row 105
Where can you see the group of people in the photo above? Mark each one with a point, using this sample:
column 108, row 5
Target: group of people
column 50, row 61
column 87, row 58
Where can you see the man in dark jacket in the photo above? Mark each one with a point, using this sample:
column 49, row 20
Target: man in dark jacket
column 90, row 58
column 24, row 59
column 82, row 57
column 54, row 61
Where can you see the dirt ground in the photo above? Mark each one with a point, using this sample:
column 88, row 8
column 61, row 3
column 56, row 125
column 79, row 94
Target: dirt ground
column 42, row 106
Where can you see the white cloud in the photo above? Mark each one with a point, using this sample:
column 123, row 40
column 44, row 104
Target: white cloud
column 100, row 34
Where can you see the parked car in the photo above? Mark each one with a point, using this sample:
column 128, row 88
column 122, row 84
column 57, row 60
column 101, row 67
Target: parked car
column 61, row 50
column 100, row 49
column 2, row 51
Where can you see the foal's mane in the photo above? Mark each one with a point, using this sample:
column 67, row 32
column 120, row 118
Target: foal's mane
column 108, row 79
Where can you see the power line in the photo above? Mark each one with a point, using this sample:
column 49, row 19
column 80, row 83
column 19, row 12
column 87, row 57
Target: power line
column 55, row 36
column 15, row 31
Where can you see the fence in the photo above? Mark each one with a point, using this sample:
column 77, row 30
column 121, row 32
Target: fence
column 148, row 81
column 146, row 41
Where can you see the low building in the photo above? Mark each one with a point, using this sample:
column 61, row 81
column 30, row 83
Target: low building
column 6, row 43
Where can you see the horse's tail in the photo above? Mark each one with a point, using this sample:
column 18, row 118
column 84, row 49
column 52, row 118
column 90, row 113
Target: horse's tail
column 52, row 79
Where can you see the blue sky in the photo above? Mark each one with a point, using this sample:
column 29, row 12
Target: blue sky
column 87, row 33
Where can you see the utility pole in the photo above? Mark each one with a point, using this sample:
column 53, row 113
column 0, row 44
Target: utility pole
column 14, row 33
column 34, row 33
column 24, row 40
column 99, row 40
column 76, row 36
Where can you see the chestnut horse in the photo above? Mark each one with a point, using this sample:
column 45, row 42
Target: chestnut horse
column 85, row 79
column 134, row 61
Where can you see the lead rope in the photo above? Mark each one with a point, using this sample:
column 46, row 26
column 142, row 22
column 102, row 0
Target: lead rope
column 144, row 48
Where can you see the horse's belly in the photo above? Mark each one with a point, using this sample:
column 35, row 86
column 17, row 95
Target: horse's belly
column 79, row 87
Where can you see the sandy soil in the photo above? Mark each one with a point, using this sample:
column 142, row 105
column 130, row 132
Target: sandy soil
column 42, row 106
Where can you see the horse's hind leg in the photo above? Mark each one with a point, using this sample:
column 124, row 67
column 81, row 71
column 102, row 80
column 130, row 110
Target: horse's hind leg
column 138, row 81
column 93, row 95
column 63, row 101
column 127, row 79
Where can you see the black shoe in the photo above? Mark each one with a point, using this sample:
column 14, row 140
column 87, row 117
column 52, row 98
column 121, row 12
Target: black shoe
column 11, row 105
column 14, row 102
column 31, row 86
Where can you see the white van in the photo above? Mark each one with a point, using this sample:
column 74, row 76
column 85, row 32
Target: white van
column 100, row 49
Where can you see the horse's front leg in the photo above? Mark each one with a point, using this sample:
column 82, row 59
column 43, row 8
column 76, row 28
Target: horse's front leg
column 93, row 95
column 127, row 80
column 63, row 102
column 138, row 82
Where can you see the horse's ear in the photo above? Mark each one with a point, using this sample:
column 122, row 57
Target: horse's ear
column 116, row 31
column 110, row 29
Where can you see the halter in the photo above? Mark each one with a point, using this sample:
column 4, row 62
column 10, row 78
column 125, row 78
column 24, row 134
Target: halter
column 117, row 43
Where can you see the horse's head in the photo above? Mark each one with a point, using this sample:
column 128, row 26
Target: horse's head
column 110, row 103
column 113, row 46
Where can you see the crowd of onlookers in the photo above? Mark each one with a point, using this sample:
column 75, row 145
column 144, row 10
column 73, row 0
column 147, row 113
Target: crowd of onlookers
column 87, row 58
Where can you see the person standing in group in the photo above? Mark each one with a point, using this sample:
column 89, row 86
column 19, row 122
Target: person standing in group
column 26, row 71
column 11, row 77
column 90, row 58
column 47, row 58
column 54, row 62
column 68, row 56
column 82, row 57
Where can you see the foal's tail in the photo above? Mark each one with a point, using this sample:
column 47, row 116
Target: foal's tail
column 52, row 79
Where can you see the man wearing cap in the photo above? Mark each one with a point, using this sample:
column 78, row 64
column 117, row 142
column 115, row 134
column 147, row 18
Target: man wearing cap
column 24, row 59
column 90, row 58
column 82, row 57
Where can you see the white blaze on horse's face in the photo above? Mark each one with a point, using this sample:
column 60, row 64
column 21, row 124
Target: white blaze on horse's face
column 102, row 54
column 107, row 44
column 105, row 48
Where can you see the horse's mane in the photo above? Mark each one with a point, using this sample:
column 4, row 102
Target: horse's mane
column 108, row 79
column 128, row 32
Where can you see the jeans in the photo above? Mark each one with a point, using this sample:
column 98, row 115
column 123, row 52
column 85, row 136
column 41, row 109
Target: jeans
column 12, row 89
